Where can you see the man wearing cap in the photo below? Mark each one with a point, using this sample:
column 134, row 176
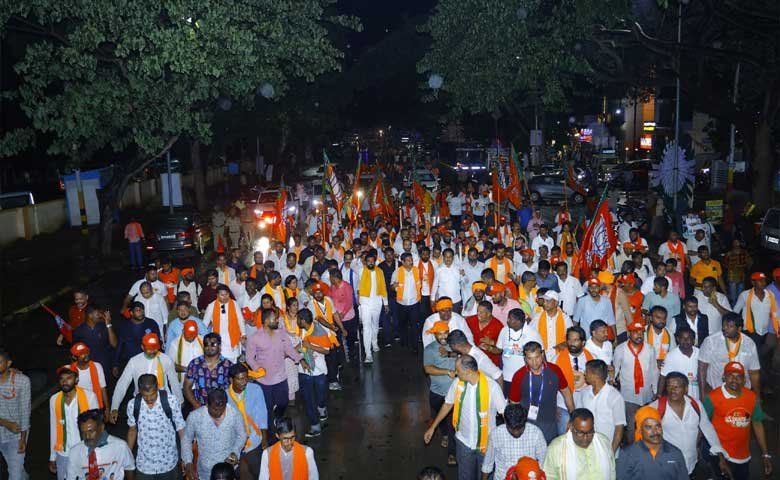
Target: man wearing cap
column 478, row 290
column 683, row 421
column 176, row 325
column 524, row 262
column 152, row 361
column 733, row 410
column 91, row 374
column 445, row 314
column 223, row 317
column 130, row 335
column 502, row 304
column 326, row 315
column 447, row 281
column 651, row 456
column 439, row 365
column 661, row 296
column 474, row 400
column 188, row 284
column 581, row 452
column 371, row 299
column 14, row 416
column 636, row 369
column 758, row 307
column 593, row 306
column 185, row 347
column 551, row 323
column 729, row 344
column 64, row 408
column 526, row 469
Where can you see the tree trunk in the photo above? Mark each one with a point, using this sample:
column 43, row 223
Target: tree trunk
column 198, row 179
column 763, row 162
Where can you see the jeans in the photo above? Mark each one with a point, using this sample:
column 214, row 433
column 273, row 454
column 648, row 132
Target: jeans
column 408, row 318
column 276, row 400
column 14, row 459
column 136, row 254
column 563, row 422
column 314, row 389
column 390, row 320
column 469, row 461
column 735, row 288
column 445, row 427
column 334, row 359
column 628, row 436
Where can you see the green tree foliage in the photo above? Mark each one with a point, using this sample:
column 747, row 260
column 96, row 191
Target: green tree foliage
column 136, row 75
column 493, row 53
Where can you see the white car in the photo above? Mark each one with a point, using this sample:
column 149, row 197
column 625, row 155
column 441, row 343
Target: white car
column 425, row 177
column 265, row 207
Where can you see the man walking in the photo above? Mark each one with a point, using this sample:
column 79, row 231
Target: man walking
column 14, row 416
column 371, row 299
column 439, row 365
column 99, row 455
column 650, row 456
column 513, row 440
column 288, row 459
column 247, row 398
column 206, row 372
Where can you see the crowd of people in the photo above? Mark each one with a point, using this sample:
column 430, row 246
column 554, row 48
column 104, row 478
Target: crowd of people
column 652, row 367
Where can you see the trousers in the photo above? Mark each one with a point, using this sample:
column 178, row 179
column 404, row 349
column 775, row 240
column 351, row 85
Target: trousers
column 314, row 389
column 136, row 254
column 15, row 460
column 408, row 318
column 370, row 310
column 469, row 461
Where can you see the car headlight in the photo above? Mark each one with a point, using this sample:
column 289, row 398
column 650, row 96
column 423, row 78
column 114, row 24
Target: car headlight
column 291, row 209
column 258, row 212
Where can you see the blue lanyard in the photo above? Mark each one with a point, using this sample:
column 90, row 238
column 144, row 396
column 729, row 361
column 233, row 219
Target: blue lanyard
column 531, row 387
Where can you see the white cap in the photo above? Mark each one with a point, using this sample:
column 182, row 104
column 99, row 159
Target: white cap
column 551, row 295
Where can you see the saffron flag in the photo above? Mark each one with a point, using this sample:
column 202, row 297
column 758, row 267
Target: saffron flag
column 354, row 200
column 599, row 242
column 334, row 186
column 571, row 180
column 280, row 226
column 515, row 178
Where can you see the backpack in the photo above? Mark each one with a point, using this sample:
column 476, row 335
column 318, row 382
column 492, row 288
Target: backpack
column 163, row 402
column 662, row 405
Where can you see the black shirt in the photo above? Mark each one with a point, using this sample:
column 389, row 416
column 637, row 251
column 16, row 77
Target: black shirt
column 129, row 335
column 97, row 340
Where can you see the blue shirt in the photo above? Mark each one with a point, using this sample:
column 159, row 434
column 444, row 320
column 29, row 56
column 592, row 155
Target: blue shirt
column 588, row 310
column 176, row 326
column 254, row 403
column 551, row 282
column 129, row 335
column 97, row 341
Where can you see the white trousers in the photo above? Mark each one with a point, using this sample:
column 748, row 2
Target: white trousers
column 370, row 309
column 15, row 460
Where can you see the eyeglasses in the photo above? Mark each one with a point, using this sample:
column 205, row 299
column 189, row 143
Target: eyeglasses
column 223, row 308
column 589, row 433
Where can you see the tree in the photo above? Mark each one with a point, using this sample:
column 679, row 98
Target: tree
column 496, row 55
column 138, row 75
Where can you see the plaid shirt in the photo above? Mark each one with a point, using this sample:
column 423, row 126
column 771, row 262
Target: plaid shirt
column 503, row 449
column 15, row 404
column 736, row 264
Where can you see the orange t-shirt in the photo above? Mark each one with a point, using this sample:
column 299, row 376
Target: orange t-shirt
column 76, row 316
column 171, row 278
column 732, row 418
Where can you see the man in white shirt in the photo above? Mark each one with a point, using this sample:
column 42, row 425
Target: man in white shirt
column 524, row 262
column 729, row 344
column 112, row 457
column 637, row 371
column 185, row 348
column 511, row 340
column 455, row 201
column 542, row 239
column 371, row 299
column 660, row 271
column 479, row 207
column 150, row 276
column 151, row 361
column 758, row 307
column 682, row 418
column 286, row 449
column 238, row 286
column 277, row 256
column 460, row 344
column 682, row 359
column 219, row 316
column 408, row 286
column 444, row 313
column 154, row 305
column 598, row 344
column 471, row 436
column 447, row 281
column 712, row 303
column 470, row 271
column 605, row 401
column 225, row 274
column 570, row 288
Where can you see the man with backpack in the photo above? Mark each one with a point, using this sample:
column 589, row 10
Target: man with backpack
column 155, row 419
column 682, row 420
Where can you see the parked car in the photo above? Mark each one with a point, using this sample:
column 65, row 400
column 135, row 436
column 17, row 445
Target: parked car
column 552, row 188
column 770, row 230
column 185, row 232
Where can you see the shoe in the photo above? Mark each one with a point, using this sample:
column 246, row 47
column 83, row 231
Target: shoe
column 323, row 413
column 387, row 345
column 334, row 386
column 375, row 348
column 368, row 360
column 445, row 441
column 312, row 433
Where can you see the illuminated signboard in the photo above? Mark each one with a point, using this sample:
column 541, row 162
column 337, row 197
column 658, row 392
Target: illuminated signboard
column 586, row 135
column 646, row 142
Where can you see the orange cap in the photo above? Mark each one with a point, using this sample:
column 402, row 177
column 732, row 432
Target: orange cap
column 527, row 251
column 635, row 327
column 594, row 281
column 606, row 278
column 555, row 260
column 527, row 468
column 498, row 287
column 67, row 368
column 757, row 276
column 191, row 327
column 628, row 245
column 185, row 271
column 734, row 367
column 443, row 304
column 478, row 286
column 776, row 272
column 439, row 326
column 151, row 341
column 79, row 349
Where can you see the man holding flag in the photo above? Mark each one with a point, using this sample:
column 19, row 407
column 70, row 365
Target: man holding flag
column 599, row 241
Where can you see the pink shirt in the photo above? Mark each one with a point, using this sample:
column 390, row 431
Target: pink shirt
column 501, row 313
column 677, row 283
column 343, row 300
column 133, row 232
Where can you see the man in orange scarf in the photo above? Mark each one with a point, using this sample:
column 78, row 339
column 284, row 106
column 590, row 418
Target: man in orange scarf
column 637, row 371
column 64, row 409
column 91, row 374
column 288, row 459
column 572, row 362
column 407, row 283
column 223, row 316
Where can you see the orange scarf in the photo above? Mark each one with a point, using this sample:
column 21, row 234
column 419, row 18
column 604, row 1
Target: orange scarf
column 253, row 272
column 507, row 268
column 170, row 278
column 61, row 438
column 276, row 295
column 639, row 378
column 94, row 379
column 225, row 276
column 300, row 466
column 234, row 330
column 665, row 341
column 399, row 293
column 426, row 268
column 677, row 251
column 562, row 218
column 327, row 315
column 293, row 328
column 749, row 325
column 733, row 351
column 564, row 363
column 560, row 329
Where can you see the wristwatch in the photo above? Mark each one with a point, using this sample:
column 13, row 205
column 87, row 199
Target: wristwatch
column 767, row 455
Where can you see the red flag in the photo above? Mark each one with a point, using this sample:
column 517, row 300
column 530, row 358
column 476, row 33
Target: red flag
column 497, row 190
column 65, row 330
column 571, row 181
column 599, row 242
column 513, row 190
